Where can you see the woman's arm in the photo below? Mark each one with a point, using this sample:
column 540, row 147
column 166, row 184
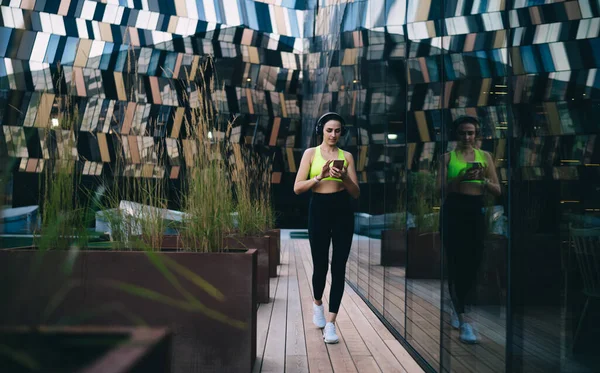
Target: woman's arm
column 491, row 182
column 302, row 185
column 349, row 177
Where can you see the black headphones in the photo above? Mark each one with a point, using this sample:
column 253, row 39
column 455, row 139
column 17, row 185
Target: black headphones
column 465, row 119
column 327, row 117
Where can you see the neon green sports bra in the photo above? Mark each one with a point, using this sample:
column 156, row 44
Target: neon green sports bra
column 457, row 164
column 318, row 162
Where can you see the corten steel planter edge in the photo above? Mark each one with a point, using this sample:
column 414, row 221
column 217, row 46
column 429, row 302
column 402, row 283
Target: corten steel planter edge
column 277, row 233
column 200, row 343
column 261, row 244
column 144, row 350
column 272, row 256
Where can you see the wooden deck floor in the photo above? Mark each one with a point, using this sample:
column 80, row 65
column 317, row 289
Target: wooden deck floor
column 288, row 341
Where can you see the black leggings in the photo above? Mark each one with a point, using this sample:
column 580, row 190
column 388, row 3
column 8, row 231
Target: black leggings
column 330, row 218
column 463, row 233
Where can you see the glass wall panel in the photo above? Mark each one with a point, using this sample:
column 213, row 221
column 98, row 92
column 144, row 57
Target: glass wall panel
column 394, row 234
column 554, row 199
column 474, row 214
column 424, row 116
column 364, row 207
column 377, row 217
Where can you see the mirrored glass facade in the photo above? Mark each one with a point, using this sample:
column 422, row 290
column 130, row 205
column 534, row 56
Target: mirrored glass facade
column 110, row 79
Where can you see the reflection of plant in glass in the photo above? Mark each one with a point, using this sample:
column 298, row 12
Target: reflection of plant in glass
column 422, row 197
column 399, row 220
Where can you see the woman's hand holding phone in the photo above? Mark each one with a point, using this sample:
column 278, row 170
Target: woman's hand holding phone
column 326, row 170
column 475, row 172
column 338, row 170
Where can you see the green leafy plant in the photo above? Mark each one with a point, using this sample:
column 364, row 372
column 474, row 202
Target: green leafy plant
column 422, row 197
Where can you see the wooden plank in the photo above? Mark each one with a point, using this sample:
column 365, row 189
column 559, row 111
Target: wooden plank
column 381, row 354
column 427, row 315
column 425, row 330
column 296, row 360
column 423, row 313
column 357, row 349
column 274, row 356
column 376, row 325
column 354, row 342
column 316, row 351
column 340, row 358
column 263, row 320
column 383, row 332
column 404, row 357
column 366, row 364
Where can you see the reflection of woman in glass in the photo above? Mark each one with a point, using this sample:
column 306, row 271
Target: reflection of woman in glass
column 331, row 218
column 466, row 174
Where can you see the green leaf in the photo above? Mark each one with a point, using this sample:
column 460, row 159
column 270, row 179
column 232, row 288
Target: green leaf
column 20, row 357
column 157, row 261
column 58, row 298
column 196, row 279
column 186, row 306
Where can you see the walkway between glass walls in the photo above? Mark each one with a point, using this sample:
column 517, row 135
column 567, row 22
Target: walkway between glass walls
column 288, row 341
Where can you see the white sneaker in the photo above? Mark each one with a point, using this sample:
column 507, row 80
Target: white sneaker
column 454, row 321
column 329, row 334
column 319, row 316
column 467, row 335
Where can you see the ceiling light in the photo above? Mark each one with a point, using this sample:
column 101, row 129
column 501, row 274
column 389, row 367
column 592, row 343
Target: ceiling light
column 55, row 122
column 248, row 79
column 355, row 81
column 392, row 136
column 210, row 135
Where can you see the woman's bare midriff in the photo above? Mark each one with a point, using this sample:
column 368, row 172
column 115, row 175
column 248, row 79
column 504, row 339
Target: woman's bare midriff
column 471, row 189
column 328, row 186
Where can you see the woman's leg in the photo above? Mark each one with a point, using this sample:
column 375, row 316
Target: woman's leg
column 471, row 251
column 451, row 233
column 319, row 234
column 342, row 232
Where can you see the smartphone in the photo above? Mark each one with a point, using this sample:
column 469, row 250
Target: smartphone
column 338, row 163
column 475, row 165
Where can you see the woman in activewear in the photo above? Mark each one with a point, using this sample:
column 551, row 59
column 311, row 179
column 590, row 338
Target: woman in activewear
column 331, row 217
column 465, row 175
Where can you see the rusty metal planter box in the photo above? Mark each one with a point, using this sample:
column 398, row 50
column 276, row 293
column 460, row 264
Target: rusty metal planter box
column 209, row 334
column 262, row 245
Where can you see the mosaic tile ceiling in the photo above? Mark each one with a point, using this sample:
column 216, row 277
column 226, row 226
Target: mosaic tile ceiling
column 398, row 70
